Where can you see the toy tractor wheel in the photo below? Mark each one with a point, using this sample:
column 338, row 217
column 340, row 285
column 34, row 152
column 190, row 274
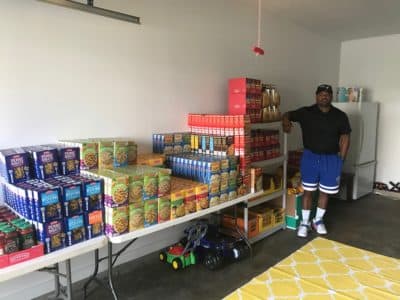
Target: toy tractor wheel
column 242, row 250
column 163, row 257
column 176, row 264
column 212, row 260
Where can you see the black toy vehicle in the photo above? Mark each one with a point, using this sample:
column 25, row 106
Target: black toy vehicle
column 215, row 248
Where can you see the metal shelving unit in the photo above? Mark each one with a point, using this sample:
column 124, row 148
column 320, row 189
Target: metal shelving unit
column 267, row 197
column 269, row 162
column 267, row 233
column 264, row 198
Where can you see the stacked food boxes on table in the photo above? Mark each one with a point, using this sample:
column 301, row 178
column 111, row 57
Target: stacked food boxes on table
column 224, row 136
column 48, row 199
column 171, row 143
column 220, row 174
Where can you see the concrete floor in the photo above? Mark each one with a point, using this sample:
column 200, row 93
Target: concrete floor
column 371, row 223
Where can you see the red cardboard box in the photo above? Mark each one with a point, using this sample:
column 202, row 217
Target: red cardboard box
column 21, row 256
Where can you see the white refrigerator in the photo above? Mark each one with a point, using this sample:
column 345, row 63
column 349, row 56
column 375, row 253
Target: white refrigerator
column 361, row 158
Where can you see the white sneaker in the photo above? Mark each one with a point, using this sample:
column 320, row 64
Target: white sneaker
column 319, row 226
column 303, row 230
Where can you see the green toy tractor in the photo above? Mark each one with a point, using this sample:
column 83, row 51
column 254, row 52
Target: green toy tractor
column 182, row 255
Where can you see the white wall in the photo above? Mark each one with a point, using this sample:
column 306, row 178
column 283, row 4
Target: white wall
column 69, row 74
column 374, row 63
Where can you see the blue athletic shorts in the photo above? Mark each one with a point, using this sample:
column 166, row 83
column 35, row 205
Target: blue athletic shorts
column 321, row 171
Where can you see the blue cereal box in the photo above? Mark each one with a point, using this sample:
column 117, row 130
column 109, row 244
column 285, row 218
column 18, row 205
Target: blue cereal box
column 72, row 199
column 14, row 165
column 52, row 235
column 74, row 230
column 69, row 158
column 47, row 204
column 93, row 192
column 44, row 161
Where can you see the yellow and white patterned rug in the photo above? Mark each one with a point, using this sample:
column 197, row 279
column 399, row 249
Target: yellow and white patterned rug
column 325, row 269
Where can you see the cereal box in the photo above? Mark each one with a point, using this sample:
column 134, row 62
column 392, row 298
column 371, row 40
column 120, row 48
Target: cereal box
column 94, row 224
column 106, row 154
column 201, row 196
column 14, row 165
column 232, row 194
column 44, row 161
column 74, row 230
column 151, row 159
column 72, row 199
column 214, row 199
column 177, row 204
column 224, row 196
column 89, row 151
column 190, row 199
column 132, row 153
column 115, row 188
column 47, row 203
column 136, row 216
column 92, row 192
column 117, row 220
column 136, row 188
column 150, row 212
column 224, row 183
column 164, row 182
column 52, row 235
column 121, row 152
column 69, row 159
column 150, row 185
column 164, row 209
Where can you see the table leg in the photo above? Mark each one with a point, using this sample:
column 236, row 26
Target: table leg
column 110, row 273
column 94, row 275
column 68, row 295
column 57, row 287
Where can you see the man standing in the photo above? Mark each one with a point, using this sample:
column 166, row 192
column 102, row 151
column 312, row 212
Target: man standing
column 326, row 139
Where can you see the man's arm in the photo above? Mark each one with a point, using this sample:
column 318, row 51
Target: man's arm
column 286, row 124
column 344, row 144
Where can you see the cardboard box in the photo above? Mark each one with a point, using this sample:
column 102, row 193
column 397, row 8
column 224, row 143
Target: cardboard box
column 21, row 256
column 229, row 221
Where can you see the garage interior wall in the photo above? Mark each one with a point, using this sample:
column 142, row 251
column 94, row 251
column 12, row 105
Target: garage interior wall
column 69, row 74
column 374, row 64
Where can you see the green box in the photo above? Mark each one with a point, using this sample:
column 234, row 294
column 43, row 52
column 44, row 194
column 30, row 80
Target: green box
column 293, row 220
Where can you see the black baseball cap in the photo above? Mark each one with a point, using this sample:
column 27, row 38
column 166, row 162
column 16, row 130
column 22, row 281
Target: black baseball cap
column 324, row 88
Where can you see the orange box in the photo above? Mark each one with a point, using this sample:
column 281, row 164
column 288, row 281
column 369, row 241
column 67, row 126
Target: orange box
column 228, row 221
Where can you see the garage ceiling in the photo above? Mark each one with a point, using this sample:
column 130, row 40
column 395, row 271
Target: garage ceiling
column 340, row 19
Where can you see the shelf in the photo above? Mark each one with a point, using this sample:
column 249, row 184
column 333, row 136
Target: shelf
column 270, row 125
column 268, row 162
column 264, row 198
column 267, row 233
column 145, row 231
column 52, row 258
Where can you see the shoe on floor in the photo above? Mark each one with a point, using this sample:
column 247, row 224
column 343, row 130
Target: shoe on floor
column 319, row 226
column 303, row 230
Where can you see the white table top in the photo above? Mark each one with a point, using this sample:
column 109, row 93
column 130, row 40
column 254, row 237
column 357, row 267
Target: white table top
column 51, row 258
column 145, row 231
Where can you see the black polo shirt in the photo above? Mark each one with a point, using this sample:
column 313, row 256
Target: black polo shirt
column 321, row 131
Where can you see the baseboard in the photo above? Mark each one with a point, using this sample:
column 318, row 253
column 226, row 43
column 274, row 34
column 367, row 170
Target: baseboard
column 389, row 194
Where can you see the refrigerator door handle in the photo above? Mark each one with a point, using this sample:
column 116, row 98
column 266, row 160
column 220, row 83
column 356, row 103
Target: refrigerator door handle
column 361, row 136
